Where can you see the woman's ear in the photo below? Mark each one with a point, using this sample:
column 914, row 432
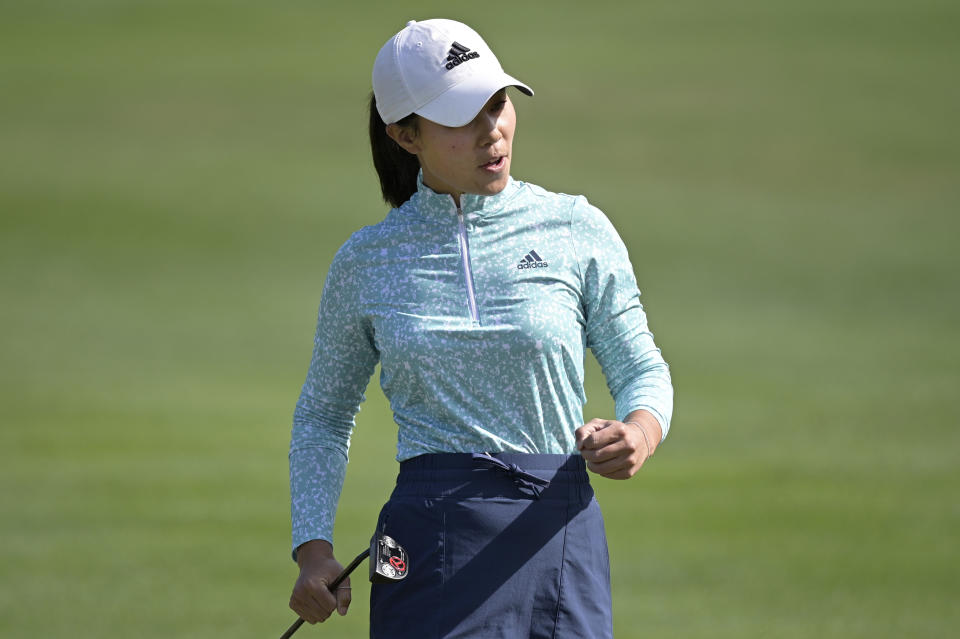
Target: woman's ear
column 405, row 137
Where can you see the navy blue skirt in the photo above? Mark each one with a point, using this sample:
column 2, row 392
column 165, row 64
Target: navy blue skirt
column 503, row 546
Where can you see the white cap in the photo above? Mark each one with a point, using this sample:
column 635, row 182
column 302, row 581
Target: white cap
column 439, row 69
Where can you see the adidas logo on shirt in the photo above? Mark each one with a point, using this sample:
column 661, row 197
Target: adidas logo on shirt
column 532, row 260
column 460, row 54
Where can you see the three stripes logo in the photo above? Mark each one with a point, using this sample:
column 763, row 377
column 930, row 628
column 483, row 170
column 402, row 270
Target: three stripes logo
column 460, row 54
column 532, row 260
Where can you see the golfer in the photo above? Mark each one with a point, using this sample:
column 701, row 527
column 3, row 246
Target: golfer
column 477, row 295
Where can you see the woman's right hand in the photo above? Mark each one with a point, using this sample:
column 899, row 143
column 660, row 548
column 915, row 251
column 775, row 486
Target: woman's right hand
column 311, row 599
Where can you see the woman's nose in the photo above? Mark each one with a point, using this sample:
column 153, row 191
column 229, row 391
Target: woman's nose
column 491, row 129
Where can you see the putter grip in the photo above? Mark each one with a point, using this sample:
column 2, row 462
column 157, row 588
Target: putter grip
column 332, row 586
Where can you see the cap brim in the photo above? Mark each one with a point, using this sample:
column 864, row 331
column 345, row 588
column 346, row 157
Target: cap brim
column 461, row 103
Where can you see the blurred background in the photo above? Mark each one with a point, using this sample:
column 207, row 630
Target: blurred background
column 176, row 176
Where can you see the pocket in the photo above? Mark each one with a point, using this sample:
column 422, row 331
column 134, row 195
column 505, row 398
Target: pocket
column 409, row 608
column 586, row 607
column 502, row 565
column 382, row 519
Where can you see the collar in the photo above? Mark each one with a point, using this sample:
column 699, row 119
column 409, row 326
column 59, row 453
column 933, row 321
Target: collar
column 429, row 203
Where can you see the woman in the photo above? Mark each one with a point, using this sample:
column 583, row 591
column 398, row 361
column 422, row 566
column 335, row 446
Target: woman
column 477, row 294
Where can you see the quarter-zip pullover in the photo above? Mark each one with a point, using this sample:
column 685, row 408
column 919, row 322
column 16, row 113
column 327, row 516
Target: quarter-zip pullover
column 479, row 317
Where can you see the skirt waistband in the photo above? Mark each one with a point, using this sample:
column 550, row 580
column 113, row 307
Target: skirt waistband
column 441, row 462
column 441, row 474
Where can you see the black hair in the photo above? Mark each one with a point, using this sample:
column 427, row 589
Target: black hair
column 396, row 167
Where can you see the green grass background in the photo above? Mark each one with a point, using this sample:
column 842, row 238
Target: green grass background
column 175, row 177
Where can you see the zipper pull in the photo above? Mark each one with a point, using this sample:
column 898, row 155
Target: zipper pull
column 467, row 267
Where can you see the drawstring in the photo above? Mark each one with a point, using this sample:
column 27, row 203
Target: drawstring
column 520, row 477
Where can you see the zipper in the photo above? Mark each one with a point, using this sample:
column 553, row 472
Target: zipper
column 467, row 270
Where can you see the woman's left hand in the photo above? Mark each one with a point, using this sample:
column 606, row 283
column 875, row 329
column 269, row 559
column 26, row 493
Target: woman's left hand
column 618, row 449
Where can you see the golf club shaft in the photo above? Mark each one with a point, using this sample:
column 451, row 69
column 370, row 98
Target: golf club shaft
column 332, row 587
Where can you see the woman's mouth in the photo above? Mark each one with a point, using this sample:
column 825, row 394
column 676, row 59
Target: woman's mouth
column 496, row 164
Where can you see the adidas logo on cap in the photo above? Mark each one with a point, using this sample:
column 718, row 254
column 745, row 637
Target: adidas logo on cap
column 460, row 54
column 532, row 260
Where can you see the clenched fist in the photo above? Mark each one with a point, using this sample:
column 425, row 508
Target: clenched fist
column 618, row 449
column 311, row 599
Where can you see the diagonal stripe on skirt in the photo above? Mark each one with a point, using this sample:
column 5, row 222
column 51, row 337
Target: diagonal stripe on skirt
column 491, row 559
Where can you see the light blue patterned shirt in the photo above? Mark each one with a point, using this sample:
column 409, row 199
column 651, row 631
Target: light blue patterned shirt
column 479, row 319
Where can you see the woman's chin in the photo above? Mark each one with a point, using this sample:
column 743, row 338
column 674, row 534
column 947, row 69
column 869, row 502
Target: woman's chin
column 494, row 186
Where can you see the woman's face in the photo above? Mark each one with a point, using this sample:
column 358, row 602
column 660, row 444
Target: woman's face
column 474, row 158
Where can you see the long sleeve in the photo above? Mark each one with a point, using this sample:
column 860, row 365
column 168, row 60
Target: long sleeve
column 344, row 357
column 616, row 324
